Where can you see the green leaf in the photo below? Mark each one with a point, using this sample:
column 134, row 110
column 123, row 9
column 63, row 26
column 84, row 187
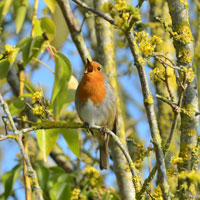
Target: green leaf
column 20, row 14
column 29, row 86
column 31, row 48
column 4, row 68
column 37, row 28
column 17, row 106
column 46, row 140
column 23, row 42
column 61, row 188
column 72, row 138
column 62, row 30
column 57, row 170
column 60, row 191
column 51, row 4
column 63, row 71
column 43, row 176
column 48, row 26
column 72, row 86
column 6, row 6
column 9, row 179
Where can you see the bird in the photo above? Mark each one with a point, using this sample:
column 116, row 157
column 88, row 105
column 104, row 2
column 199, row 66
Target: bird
column 96, row 104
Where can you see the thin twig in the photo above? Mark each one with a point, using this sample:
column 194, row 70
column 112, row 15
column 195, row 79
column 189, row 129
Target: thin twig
column 168, row 87
column 7, row 112
column 6, row 137
column 167, row 64
column 169, row 102
column 82, row 23
column 164, row 56
column 33, row 58
column 100, row 14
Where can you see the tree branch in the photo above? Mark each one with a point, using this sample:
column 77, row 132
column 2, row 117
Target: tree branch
column 100, row 14
column 151, row 118
column 183, row 43
column 52, row 125
column 17, row 135
column 74, row 30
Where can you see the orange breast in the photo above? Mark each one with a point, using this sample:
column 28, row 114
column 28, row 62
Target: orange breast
column 92, row 87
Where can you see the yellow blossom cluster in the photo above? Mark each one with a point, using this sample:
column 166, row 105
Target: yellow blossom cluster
column 147, row 44
column 76, row 195
column 157, row 74
column 36, row 96
column 93, row 176
column 157, row 193
column 9, row 52
column 171, row 172
column 142, row 152
column 39, row 111
column 184, row 34
column 189, row 75
column 122, row 13
column 189, row 110
column 98, row 193
column 193, row 176
column 185, row 56
column 101, row 193
column 176, row 160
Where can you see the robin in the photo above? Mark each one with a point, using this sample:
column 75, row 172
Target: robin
column 96, row 104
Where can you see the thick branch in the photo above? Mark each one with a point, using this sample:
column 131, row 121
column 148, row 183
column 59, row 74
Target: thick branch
column 74, row 30
column 184, row 46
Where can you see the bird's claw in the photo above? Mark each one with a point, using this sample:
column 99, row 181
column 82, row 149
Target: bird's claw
column 87, row 127
column 103, row 128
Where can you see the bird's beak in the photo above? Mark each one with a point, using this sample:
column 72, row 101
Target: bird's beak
column 88, row 67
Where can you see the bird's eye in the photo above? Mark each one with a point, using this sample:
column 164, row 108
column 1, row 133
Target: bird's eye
column 99, row 68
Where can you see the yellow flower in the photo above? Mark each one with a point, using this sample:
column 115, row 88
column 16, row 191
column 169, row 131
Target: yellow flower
column 36, row 96
column 75, row 194
column 157, row 193
column 10, row 51
column 147, row 44
column 94, row 176
column 176, row 160
column 190, row 75
column 38, row 110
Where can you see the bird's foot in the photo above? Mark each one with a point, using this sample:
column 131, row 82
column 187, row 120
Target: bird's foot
column 103, row 128
column 87, row 127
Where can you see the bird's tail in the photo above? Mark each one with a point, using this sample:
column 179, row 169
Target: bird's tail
column 104, row 154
